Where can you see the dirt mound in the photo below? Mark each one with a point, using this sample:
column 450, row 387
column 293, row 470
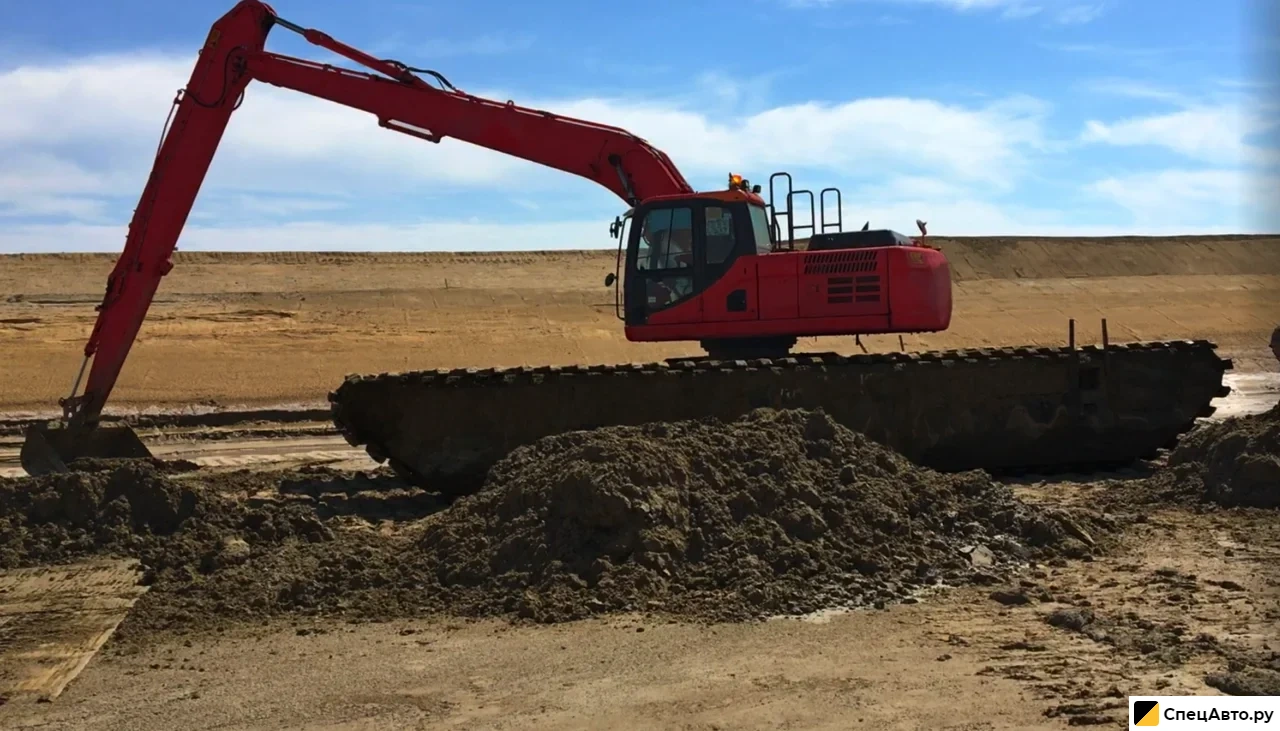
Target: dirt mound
column 777, row 512
column 1237, row 460
column 99, row 509
column 1232, row 463
column 214, row 548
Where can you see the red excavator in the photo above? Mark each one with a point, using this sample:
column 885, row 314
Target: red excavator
column 707, row 266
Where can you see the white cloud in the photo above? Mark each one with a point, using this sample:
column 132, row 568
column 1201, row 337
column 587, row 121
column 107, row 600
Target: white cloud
column 1079, row 14
column 34, row 173
column 911, row 187
column 960, row 216
column 292, row 157
column 1214, row 134
column 40, row 184
column 1248, row 85
column 986, row 144
column 1021, row 11
column 286, row 142
column 1165, row 204
column 312, row 236
column 284, row 205
column 89, row 100
column 115, row 106
column 1135, row 89
column 36, row 205
column 1243, row 202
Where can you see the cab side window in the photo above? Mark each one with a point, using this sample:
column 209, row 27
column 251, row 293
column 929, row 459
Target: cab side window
column 719, row 234
column 760, row 226
column 666, row 248
column 666, row 239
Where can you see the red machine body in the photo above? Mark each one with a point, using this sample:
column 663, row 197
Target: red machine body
column 809, row 293
column 716, row 268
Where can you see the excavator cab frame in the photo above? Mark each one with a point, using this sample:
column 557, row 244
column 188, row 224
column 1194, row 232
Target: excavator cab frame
column 719, row 227
column 618, row 230
column 678, row 248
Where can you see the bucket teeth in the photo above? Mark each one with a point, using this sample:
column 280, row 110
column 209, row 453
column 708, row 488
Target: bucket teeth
column 995, row 409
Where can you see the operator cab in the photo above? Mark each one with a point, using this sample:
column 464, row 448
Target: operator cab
column 679, row 246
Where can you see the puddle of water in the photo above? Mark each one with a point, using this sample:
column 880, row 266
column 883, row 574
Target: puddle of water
column 1251, row 393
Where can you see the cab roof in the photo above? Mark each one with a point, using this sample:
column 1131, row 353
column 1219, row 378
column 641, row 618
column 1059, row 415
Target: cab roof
column 726, row 196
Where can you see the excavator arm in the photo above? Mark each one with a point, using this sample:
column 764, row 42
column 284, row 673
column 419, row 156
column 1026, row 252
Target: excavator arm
column 233, row 55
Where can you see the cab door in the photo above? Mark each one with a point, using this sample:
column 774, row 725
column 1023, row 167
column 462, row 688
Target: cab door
column 662, row 268
column 726, row 251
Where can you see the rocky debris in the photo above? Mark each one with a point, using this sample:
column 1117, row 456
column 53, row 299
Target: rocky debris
column 1232, row 463
column 779, row 512
column 1093, row 713
column 1169, row 644
column 1075, row 619
column 1247, row 672
column 1246, row 681
column 1026, row 592
column 1010, row 597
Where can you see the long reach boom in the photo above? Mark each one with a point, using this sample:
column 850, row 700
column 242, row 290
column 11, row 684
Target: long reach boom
column 233, row 56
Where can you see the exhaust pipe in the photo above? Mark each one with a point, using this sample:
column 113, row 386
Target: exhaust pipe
column 52, row 449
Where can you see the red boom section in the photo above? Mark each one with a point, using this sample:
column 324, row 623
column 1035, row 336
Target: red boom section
column 898, row 289
column 571, row 145
column 231, row 57
column 203, row 110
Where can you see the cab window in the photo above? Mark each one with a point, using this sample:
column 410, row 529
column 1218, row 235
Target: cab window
column 719, row 234
column 760, row 227
column 666, row 239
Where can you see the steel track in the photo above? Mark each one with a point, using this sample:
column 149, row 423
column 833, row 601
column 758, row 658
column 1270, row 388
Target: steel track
column 1002, row 409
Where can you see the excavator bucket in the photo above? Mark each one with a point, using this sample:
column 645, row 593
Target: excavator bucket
column 51, row 449
column 1003, row 410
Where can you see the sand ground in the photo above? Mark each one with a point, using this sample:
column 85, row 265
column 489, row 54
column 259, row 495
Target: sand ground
column 281, row 328
column 285, row 328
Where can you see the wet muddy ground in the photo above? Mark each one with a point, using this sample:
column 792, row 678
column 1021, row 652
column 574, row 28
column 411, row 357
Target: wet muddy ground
column 1067, row 596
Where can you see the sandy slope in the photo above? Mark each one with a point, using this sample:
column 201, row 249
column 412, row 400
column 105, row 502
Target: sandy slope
column 261, row 328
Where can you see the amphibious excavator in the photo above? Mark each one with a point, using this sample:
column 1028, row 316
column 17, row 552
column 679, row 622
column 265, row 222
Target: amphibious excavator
column 710, row 266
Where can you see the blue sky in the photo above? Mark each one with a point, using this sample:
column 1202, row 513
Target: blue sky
column 983, row 117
